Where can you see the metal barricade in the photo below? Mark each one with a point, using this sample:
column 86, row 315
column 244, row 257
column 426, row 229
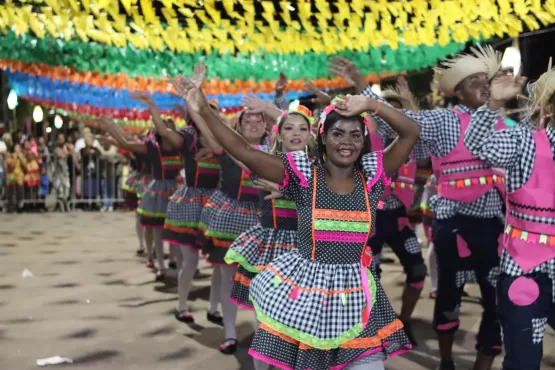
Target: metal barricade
column 66, row 183
column 96, row 183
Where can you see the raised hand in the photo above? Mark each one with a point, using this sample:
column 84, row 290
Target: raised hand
column 321, row 98
column 281, row 84
column 203, row 154
column 505, row 87
column 353, row 105
column 104, row 122
column 403, row 86
column 142, row 97
column 191, row 93
column 269, row 187
column 198, row 75
column 255, row 104
column 343, row 67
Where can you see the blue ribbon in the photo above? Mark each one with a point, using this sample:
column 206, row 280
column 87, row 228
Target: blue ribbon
column 73, row 93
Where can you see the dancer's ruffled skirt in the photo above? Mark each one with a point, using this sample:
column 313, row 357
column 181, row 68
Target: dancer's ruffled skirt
column 253, row 250
column 222, row 220
column 184, row 209
column 154, row 202
column 318, row 316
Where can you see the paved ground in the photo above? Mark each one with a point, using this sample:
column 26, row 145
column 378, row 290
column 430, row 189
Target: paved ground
column 91, row 300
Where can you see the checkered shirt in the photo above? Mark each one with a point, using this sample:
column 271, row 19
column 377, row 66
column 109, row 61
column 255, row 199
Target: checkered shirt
column 514, row 150
column 281, row 102
column 419, row 152
column 441, row 133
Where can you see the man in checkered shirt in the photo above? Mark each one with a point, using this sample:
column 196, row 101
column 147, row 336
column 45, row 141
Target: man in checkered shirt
column 468, row 206
column 526, row 286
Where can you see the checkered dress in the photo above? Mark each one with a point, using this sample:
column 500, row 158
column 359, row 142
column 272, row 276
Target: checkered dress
column 186, row 204
column 513, row 150
column 441, row 133
column 230, row 211
column 276, row 234
column 166, row 165
column 312, row 303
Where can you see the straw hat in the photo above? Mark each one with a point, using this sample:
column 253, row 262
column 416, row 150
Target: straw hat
column 482, row 60
column 543, row 90
column 407, row 102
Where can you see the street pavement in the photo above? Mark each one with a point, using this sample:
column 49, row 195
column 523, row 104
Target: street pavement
column 70, row 285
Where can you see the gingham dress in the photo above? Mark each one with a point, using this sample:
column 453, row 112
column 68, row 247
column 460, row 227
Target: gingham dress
column 166, row 165
column 231, row 210
column 276, row 234
column 320, row 307
column 186, row 204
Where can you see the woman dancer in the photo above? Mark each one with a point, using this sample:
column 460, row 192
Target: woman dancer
column 321, row 307
column 526, row 285
column 166, row 164
column 230, row 211
column 181, row 227
column 276, row 233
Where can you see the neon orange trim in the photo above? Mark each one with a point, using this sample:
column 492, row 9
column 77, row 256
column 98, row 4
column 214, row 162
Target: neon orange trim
column 242, row 279
column 334, row 214
column 376, row 340
column 267, row 245
column 288, row 280
column 178, row 229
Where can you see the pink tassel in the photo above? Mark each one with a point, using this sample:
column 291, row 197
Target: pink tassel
column 294, row 294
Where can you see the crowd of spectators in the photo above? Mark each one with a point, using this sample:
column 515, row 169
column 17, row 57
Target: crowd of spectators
column 81, row 171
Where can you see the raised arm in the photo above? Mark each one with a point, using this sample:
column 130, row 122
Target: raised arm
column 107, row 124
column 498, row 148
column 175, row 140
column 256, row 105
column 264, row 165
column 408, row 131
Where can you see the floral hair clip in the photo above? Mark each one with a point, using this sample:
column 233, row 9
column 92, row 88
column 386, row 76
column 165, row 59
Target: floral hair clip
column 330, row 108
column 295, row 107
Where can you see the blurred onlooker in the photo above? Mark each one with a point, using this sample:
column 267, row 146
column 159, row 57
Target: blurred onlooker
column 6, row 139
column 7, row 142
column 108, row 157
column 15, row 177
column 44, row 158
column 89, row 171
column 59, row 169
column 80, row 143
column 32, row 173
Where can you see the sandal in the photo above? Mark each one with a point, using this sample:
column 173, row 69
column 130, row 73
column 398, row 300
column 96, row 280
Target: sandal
column 140, row 252
column 185, row 317
column 215, row 318
column 433, row 295
column 228, row 346
column 150, row 264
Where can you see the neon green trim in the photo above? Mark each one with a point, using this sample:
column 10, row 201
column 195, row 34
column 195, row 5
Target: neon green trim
column 232, row 257
column 283, row 203
column 209, row 165
column 191, row 224
column 221, row 235
column 248, row 183
column 346, row 226
column 312, row 340
column 151, row 214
